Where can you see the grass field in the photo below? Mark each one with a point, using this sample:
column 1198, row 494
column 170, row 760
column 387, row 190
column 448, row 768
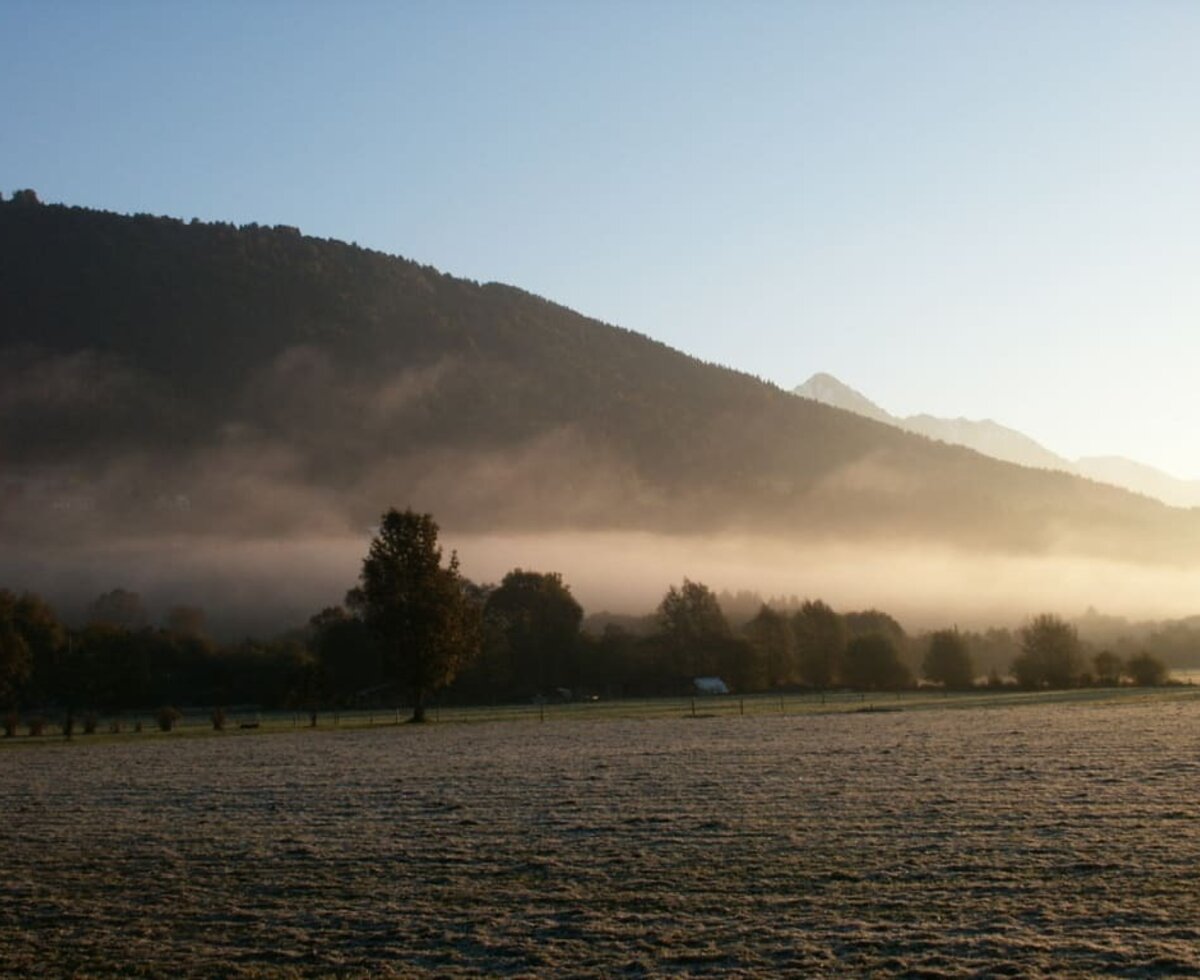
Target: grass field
column 995, row 834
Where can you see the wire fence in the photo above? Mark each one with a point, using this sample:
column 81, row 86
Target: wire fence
column 246, row 719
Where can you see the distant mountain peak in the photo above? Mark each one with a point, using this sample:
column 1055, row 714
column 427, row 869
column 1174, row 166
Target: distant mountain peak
column 828, row 390
column 993, row 439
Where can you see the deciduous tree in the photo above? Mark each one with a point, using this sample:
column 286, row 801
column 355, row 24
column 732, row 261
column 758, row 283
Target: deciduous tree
column 948, row 661
column 770, row 635
column 539, row 620
column 1146, row 670
column 820, row 638
column 872, row 662
column 30, row 641
column 692, row 627
column 1107, row 666
column 1051, row 654
column 415, row 605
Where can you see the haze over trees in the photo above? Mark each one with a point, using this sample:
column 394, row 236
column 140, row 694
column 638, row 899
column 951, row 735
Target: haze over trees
column 416, row 630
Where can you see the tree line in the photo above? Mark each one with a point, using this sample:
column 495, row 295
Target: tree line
column 415, row 628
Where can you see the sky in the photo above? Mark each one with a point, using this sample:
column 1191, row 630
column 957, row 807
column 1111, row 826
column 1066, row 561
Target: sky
column 975, row 209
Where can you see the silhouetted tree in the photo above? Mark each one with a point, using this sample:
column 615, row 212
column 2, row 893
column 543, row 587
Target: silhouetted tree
column 348, row 653
column 16, row 660
column 739, row 664
column 948, row 661
column 309, row 686
column 119, row 608
column 187, row 621
column 1146, row 670
column 770, row 635
column 620, row 663
column 690, row 628
column 872, row 662
column 868, row 621
column 539, row 619
column 416, row 607
column 30, row 642
column 113, row 668
column 1051, row 654
column 820, row 636
column 1107, row 666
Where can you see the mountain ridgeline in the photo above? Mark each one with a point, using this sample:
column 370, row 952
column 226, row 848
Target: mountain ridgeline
column 1001, row 442
column 160, row 376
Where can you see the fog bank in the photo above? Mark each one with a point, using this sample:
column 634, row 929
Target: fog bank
column 258, row 586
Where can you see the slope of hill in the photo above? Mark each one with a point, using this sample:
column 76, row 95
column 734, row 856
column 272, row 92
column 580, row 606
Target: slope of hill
column 1001, row 442
column 163, row 376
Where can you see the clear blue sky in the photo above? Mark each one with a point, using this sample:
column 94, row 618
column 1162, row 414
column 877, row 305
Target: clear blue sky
column 988, row 209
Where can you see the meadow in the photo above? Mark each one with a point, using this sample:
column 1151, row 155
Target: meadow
column 1004, row 834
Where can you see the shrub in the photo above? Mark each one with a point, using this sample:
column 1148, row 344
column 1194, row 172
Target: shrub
column 10, row 724
column 218, row 719
column 115, row 726
column 1146, row 670
column 166, row 718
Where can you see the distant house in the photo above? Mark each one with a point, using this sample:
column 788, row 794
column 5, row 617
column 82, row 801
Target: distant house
column 710, row 685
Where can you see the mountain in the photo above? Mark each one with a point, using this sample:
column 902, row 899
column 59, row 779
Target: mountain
column 1001, row 442
column 163, row 378
column 828, row 390
column 1140, row 478
column 987, row 437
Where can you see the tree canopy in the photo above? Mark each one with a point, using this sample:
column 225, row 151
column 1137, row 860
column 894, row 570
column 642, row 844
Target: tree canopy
column 1146, row 670
column 415, row 605
column 872, row 662
column 948, row 661
column 1051, row 654
column 539, row 620
column 820, row 635
column 692, row 628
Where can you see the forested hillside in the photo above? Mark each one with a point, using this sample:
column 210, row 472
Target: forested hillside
column 161, row 375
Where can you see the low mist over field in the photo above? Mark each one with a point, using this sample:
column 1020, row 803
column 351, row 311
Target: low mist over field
column 261, row 585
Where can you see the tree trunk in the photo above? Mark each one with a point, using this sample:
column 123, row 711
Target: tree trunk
column 418, row 714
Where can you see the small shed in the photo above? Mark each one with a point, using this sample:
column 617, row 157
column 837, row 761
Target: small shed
column 710, row 685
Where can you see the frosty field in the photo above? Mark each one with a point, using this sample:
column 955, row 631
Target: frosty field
column 1051, row 838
